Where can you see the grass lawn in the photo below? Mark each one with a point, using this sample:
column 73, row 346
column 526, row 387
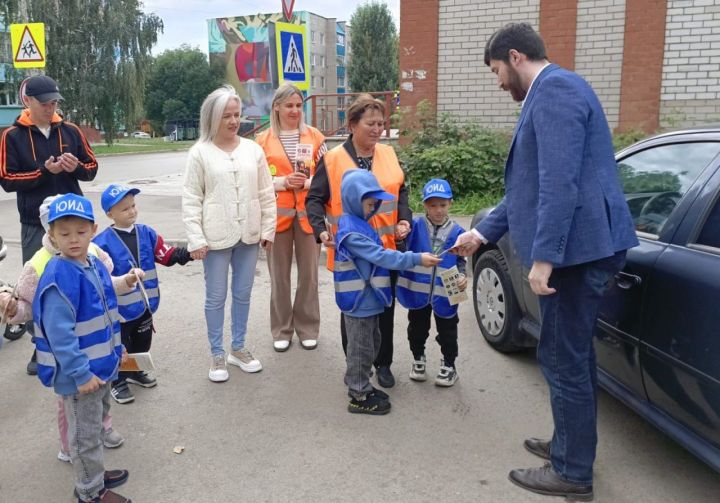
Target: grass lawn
column 462, row 205
column 139, row 145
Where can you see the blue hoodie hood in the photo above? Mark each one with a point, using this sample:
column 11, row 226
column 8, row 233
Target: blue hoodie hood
column 356, row 185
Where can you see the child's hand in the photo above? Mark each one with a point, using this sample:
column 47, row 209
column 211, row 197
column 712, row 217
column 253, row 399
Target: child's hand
column 327, row 239
column 462, row 282
column 429, row 260
column 132, row 277
column 402, row 229
column 92, row 385
column 124, row 358
column 8, row 305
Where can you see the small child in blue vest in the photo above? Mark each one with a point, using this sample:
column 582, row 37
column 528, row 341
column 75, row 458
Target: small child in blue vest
column 132, row 245
column 77, row 338
column 435, row 232
column 362, row 284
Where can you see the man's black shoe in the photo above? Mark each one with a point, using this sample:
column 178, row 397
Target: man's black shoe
column 539, row 447
column 378, row 393
column 114, row 478
column 121, row 392
column 385, row 378
column 31, row 368
column 373, row 405
column 142, row 379
column 546, row 481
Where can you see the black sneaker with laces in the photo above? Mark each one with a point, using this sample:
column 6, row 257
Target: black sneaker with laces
column 373, row 405
column 377, row 392
column 121, row 393
column 143, row 379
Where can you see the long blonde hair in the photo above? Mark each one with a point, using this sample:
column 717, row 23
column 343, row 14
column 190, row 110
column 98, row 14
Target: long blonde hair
column 212, row 109
column 284, row 92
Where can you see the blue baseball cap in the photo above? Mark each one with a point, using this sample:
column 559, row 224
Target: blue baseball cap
column 437, row 187
column 114, row 194
column 70, row 205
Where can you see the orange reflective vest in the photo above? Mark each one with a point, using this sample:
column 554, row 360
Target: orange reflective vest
column 290, row 203
column 390, row 176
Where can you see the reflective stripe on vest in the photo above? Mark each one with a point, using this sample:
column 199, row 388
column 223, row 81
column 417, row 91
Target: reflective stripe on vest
column 290, row 203
column 390, row 176
column 132, row 304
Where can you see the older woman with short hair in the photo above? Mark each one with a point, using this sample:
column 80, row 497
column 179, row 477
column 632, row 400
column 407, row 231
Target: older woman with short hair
column 228, row 207
column 292, row 149
column 366, row 123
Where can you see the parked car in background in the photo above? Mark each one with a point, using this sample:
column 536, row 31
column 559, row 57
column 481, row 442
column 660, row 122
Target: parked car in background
column 140, row 134
column 658, row 334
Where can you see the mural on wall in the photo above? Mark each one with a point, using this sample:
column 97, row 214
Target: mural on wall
column 242, row 45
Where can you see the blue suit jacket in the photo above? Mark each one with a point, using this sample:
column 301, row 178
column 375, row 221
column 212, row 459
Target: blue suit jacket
column 563, row 200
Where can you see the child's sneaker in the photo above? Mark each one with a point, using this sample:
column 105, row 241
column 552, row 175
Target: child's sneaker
column 64, row 457
column 372, row 404
column 143, row 379
column 447, row 376
column 244, row 359
column 121, row 393
column 112, row 439
column 417, row 372
column 218, row 371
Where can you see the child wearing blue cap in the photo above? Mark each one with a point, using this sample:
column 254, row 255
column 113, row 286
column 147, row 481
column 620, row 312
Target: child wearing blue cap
column 362, row 284
column 77, row 337
column 436, row 233
column 132, row 245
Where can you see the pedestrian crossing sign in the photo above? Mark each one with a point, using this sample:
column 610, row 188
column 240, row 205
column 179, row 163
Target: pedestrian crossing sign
column 28, row 45
column 292, row 55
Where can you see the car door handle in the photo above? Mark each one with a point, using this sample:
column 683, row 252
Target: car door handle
column 626, row 281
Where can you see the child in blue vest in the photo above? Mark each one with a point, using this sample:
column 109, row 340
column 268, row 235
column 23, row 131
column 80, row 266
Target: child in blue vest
column 362, row 284
column 131, row 245
column 435, row 232
column 77, row 338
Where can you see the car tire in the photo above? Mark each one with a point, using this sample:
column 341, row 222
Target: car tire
column 496, row 309
column 14, row 332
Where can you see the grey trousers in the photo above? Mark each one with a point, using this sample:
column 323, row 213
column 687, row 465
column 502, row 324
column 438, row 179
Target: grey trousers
column 85, row 414
column 363, row 344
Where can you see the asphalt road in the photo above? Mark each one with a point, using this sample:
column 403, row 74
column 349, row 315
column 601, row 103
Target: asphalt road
column 284, row 434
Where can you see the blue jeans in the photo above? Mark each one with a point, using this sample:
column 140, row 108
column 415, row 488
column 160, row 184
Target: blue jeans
column 567, row 359
column 243, row 259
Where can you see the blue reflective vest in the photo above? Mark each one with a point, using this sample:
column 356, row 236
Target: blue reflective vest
column 349, row 284
column 132, row 304
column 413, row 286
column 97, row 320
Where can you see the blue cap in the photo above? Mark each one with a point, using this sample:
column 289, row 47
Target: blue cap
column 114, row 194
column 437, row 187
column 70, row 205
column 380, row 195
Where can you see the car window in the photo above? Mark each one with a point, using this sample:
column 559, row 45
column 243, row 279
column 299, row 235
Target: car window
column 654, row 180
column 710, row 233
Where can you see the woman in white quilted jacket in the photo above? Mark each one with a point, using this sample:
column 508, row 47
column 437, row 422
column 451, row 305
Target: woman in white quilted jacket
column 229, row 211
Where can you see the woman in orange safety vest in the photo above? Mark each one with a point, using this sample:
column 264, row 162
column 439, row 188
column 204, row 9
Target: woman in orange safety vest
column 366, row 123
column 293, row 150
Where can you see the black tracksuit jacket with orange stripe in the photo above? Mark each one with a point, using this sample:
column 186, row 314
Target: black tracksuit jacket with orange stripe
column 23, row 152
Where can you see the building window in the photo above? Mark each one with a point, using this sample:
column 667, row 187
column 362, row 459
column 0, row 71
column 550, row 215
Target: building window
column 312, row 81
column 314, row 59
column 322, row 38
column 322, row 82
column 312, row 36
column 340, row 39
column 322, row 61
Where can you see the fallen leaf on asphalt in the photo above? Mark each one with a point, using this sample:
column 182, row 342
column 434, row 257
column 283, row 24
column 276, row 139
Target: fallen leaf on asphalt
column 178, row 449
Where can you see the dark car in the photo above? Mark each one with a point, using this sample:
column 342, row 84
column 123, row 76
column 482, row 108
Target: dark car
column 658, row 333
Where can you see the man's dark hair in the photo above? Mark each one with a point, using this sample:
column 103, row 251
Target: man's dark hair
column 518, row 36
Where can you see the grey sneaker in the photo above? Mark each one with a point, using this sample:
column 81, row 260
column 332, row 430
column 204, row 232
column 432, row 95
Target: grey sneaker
column 447, row 376
column 218, row 370
column 417, row 372
column 112, row 439
column 244, row 359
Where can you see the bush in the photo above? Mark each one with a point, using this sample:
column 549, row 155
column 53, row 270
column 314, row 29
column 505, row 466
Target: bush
column 622, row 140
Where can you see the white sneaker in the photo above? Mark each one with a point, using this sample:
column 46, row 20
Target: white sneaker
column 281, row 346
column 64, row 457
column 309, row 343
column 417, row 371
column 218, row 370
column 244, row 359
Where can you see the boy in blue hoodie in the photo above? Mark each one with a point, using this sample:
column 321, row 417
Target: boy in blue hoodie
column 362, row 284
column 77, row 337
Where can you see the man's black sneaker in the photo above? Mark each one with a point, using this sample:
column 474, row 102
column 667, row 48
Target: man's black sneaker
column 372, row 404
column 385, row 377
column 376, row 392
column 143, row 379
column 121, row 393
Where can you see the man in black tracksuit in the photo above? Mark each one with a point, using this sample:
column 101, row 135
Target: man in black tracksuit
column 42, row 155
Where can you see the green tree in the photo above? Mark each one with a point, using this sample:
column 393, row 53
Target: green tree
column 179, row 81
column 99, row 52
column 373, row 64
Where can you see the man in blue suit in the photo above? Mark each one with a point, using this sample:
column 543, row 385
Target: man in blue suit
column 569, row 223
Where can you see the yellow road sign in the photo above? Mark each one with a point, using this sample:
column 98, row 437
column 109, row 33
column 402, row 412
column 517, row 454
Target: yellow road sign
column 28, row 45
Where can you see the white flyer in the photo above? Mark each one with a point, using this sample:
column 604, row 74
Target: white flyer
column 450, row 279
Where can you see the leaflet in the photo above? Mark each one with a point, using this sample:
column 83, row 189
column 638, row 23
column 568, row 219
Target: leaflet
column 450, row 279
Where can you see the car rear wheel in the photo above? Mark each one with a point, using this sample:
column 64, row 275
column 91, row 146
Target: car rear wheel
column 496, row 309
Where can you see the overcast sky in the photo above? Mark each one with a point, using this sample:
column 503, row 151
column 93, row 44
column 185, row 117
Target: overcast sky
column 185, row 21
